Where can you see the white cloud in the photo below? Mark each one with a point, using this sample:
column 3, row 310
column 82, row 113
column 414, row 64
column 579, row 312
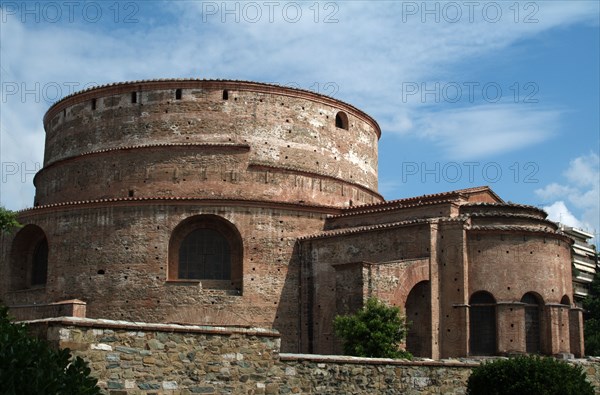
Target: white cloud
column 369, row 53
column 559, row 212
column 581, row 190
column 485, row 130
column 555, row 191
column 583, row 171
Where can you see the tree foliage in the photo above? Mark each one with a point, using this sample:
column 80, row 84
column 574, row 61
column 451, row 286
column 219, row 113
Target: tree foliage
column 376, row 330
column 8, row 220
column 528, row 375
column 30, row 366
column 591, row 305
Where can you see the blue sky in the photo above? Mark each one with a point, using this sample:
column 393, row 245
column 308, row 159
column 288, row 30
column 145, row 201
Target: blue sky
column 504, row 94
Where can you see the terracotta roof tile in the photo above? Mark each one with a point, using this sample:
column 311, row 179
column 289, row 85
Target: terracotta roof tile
column 366, row 228
column 444, row 197
column 216, row 201
column 373, row 208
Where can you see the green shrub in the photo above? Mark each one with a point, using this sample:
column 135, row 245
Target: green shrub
column 591, row 304
column 8, row 220
column 374, row 331
column 530, row 375
column 30, row 366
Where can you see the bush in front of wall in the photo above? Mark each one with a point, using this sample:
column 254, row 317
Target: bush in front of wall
column 528, row 375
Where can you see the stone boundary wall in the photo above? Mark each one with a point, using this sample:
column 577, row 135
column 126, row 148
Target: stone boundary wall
column 141, row 358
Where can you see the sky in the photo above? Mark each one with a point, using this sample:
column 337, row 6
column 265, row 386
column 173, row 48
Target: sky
column 497, row 93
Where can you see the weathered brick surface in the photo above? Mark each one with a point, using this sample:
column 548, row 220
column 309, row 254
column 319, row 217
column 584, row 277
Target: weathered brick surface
column 116, row 259
column 453, row 248
column 208, row 144
column 296, row 193
column 269, row 160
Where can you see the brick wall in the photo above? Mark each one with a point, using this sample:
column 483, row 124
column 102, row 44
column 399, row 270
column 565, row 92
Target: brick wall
column 116, row 258
column 164, row 145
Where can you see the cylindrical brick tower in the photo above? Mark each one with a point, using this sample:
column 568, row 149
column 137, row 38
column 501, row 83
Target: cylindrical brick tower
column 208, row 139
column 181, row 200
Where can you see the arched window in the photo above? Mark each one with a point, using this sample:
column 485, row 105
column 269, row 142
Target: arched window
column 39, row 263
column 208, row 249
column 341, row 120
column 205, row 254
column 418, row 312
column 29, row 258
column 533, row 307
column 482, row 324
column 566, row 300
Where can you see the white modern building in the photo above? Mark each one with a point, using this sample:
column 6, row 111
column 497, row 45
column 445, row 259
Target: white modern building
column 585, row 261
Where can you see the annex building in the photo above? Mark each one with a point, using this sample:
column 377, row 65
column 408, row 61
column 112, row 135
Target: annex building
column 237, row 203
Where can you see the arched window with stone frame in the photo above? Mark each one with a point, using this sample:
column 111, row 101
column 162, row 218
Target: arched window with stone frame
column 206, row 249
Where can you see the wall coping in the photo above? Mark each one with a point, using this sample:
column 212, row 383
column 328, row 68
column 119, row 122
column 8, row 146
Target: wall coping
column 145, row 326
column 448, row 362
column 59, row 303
column 317, row 358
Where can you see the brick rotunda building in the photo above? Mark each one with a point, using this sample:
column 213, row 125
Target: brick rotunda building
column 247, row 204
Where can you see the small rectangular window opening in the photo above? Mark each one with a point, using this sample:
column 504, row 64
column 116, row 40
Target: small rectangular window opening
column 225, row 95
column 93, row 104
column 131, row 193
column 134, row 97
column 178, row 94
